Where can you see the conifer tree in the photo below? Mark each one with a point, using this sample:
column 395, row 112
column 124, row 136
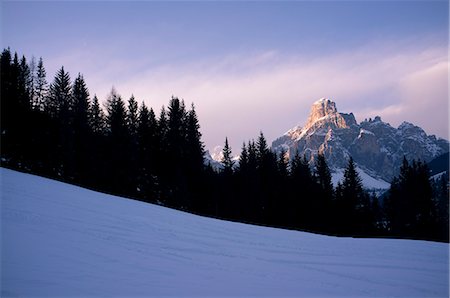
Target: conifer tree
column 32, row 83
column 116, row 116
column 24, row 85
column 355, row 202
column 132, row 116
column 81, row 102
column 226, row 161
column 96, row 117
column 117, row 132
column 98, row 160
column 195, row 148
column 262, row 151
column 59, row 100
column 80, row 114
column 323, row 175
column 243, row 159
column 283, row 164
column 147, row 145
column 41, row 85
column 321, row 206
column 410, row 206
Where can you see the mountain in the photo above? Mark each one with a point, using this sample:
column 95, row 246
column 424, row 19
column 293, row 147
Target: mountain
column 215, row 157
column 439, row 165
column 60, row 240
column 376, row 147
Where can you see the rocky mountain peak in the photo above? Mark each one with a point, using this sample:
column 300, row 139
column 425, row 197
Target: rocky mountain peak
column 322, row 108
column 324, row 114
column 376, row 146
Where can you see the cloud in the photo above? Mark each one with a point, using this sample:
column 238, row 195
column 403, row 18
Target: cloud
column 240, row 94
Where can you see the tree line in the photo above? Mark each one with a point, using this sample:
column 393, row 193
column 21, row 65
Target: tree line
column 59, row 130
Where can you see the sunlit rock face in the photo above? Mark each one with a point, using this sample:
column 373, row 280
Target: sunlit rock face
column 376, row 146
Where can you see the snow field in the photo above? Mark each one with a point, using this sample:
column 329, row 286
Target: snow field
column 62, row 240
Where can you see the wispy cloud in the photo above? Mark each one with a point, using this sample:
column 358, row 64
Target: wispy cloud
column 238, row 95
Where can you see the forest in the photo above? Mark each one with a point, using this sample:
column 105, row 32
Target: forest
column 59, row 130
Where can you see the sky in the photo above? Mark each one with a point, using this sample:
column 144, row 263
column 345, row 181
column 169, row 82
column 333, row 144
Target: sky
column 249, row 66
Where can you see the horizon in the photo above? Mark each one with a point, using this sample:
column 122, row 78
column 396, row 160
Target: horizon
column 249, row 67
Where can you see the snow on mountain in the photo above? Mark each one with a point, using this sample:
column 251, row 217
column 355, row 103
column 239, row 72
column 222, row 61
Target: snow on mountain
column 215, row 158
column 376, row 146
column 217, row 153
column 61, row 240
column 368, row 181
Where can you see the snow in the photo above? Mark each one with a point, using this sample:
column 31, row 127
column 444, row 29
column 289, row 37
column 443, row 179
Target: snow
column 217, row 154
column 364, row 131
column 322, row 100
column 61, row 240
column 368, row 181
column 438, row 176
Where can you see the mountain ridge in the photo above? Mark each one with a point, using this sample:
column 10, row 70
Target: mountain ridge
column 376, row 146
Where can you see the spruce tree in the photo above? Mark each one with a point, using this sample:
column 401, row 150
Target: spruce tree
column 321, row 206
column 80, row 114
column 32, row 83
column 410, row 205
column 116, row 116
column 81, row 102
column 59, row 98
column 243, row 159
column 132, row 116
column 118, row 138
column 96, row 118
column 41, row 85
column 227, row 161
column 147, row 150
column 176, row 149
column 355, row 203
column 24, row 85
column 195, row 148
column 283, row 164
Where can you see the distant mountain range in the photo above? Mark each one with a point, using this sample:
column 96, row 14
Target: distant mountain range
column 376, row 146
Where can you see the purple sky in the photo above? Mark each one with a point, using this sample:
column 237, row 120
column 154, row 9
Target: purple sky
column 249, row 66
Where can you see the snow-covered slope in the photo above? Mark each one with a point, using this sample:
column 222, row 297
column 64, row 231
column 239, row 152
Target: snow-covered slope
column 61, row 240
column 368, row 181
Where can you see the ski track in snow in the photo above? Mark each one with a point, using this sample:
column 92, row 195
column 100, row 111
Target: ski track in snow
column 62, row 240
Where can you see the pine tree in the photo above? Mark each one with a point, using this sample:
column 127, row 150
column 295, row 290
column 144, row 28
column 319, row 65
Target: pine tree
column 303, row 193
column 355, row 203
column 262, row 150
column 81, row 130
column 81, row 102
column 98, row 155
column 226, row 161
column 243, row 159
column 176, row 149
column 132, row 116
column 24, row 85
column 321, row 206
column 283, row 164
column 118, row 170
column 323, row 175
column 41, row 85
column 282, row 205
column 11, row 110
column 410, row 205
column 195, row 148
column 266, row 169
column 32, row 83
column 147, row 158
column 442, row 205
column 116, row 116
column 96, row 117
column 59, row 100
